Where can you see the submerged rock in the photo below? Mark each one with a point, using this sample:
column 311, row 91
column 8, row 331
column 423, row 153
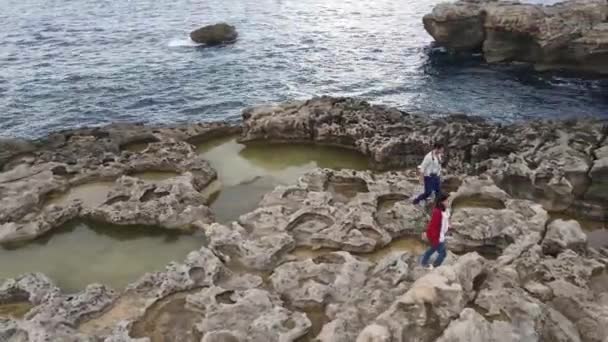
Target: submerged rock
column 571, row 34
column 214, row 34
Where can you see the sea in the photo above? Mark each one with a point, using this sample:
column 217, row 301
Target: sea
column 74, row 63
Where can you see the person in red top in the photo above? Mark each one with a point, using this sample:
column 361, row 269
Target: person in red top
column 436, row 231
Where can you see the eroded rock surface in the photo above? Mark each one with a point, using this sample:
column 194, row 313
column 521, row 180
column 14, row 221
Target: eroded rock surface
column 350, row 210
column 30, row 186
column 571, row 34
column 537, row 281
column 503, row 224
column 560, row 164
column 562, row 235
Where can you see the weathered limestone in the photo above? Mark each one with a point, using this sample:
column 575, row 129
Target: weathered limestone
column 31, row 287
column 571, row 34
column 250, row 284
column 348, row 210
column 390, row 138
column 65, row 161
column 174, row 203
column 11, row 148
column 473, row 327
column 235, row 245
column 248, row 315
column 550, row 162
column 54, row 313
column 486, row 219
column 563, row 235
column 433, row 300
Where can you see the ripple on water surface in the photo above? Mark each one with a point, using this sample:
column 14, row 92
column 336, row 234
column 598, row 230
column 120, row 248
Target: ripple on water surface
column 247, row 172
column 55, row 74
column 82, row 253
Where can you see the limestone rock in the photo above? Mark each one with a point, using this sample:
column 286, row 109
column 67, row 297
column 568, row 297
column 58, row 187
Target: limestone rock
column 347, row 292
column 457, row 27
column 484, row 217
column 570, row 34
column 544, row 161
column 70, row 309
column 563, row 235
column 235, row 245
column 10, row 148
column 391, row 139
column 214, row 34
column 473, row 327
column 531, row 320
column 174, row 203
column 250, row 315
column 32, row 287
column 350, row 210
column 433, row 300
column 31, row 190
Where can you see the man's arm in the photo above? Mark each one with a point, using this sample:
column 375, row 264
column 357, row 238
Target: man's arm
column 424, row 165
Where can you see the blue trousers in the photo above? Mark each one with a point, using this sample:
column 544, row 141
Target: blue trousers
column 440, row 249
column 432, row 184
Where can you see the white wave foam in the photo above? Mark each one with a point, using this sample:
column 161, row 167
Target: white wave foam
column 181, row 42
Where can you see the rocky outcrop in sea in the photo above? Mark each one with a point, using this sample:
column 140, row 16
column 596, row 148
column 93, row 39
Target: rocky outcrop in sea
column 217, row 34
column 571, row 34
column 512, row 273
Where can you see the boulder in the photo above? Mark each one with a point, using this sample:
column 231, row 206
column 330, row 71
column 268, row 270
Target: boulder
column 473, row 327
column 433, row 300
column 214, row 34
column 563, row 235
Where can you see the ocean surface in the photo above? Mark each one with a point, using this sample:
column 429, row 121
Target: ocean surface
column 70, row 63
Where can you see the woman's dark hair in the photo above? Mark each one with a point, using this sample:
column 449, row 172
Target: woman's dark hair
column 439, row 201
column 437, row 146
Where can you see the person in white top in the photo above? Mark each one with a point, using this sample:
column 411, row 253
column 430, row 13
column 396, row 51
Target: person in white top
column 430, row 173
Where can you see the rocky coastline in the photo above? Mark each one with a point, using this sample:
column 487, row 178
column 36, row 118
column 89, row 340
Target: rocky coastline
column 570, row 35
column 513, row 273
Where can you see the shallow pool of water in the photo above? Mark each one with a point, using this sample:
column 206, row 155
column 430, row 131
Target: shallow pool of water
column 82, row 253
column 155, row 176
column 91, row 194
column 249, row 172
column 15, row 310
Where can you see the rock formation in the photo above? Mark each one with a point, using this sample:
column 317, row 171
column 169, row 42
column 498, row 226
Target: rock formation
column 572, row 34
column 214, row 34
column 512, row 273
column 68, row 160
column 560, row 164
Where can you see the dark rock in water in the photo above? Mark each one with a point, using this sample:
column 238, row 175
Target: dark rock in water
column 214, row 34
